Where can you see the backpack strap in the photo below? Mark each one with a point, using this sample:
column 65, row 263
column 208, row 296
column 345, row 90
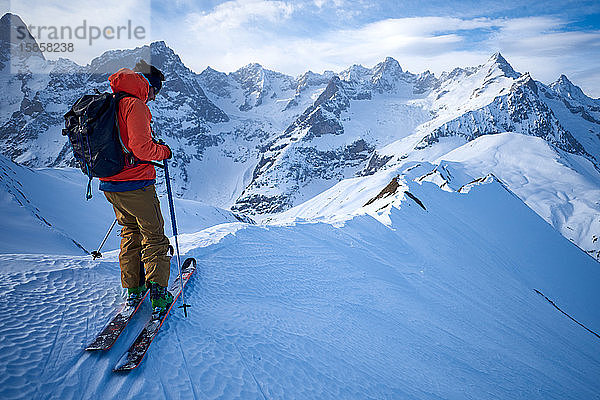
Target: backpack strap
column 131, row 159
column 118, row 97
column 88, row 192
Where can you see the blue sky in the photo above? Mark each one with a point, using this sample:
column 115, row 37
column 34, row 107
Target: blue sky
column 545, row 38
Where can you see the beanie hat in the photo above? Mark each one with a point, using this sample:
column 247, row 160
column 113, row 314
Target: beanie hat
column 151, row 73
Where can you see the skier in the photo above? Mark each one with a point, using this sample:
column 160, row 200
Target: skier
column 132, row 193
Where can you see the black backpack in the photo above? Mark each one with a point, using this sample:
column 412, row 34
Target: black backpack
column 93, row 130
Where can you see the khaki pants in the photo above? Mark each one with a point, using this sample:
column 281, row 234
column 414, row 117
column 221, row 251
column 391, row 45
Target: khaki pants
column 143, row 237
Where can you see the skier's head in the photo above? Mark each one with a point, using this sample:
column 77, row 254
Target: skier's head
column 154, row 76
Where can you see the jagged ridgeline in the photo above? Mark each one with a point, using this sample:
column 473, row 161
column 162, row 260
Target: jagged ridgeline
column 259, row 141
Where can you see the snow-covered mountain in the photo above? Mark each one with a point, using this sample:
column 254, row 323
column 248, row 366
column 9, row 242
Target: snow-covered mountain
column 259, row 142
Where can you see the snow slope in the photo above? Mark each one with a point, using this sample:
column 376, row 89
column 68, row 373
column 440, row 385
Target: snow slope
column 433, row 303
column 562, row 188
column 45, row 212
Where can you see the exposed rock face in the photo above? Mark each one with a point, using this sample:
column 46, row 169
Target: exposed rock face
column 521, row 111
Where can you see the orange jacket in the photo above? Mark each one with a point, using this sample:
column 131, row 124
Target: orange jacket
column 134, row 124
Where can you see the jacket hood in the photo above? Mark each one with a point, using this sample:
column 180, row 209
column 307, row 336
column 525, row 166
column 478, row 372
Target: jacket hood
column 125, row 80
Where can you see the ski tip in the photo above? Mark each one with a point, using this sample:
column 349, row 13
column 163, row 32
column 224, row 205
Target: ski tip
column 128, row 366
column 187, row 262
column 97, row 346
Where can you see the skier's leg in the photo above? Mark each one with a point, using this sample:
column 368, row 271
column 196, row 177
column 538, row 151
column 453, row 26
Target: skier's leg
column 155, row 245
column 143, row 205
column 142, row 279
column 131, row 242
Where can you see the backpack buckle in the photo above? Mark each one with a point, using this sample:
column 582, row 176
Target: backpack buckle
column 130, row 160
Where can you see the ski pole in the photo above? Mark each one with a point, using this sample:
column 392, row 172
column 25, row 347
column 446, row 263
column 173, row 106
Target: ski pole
column 174, row 228
column 96, row 253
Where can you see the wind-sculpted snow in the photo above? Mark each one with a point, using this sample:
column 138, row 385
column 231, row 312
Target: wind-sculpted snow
column 438, row 303
column 51, row 302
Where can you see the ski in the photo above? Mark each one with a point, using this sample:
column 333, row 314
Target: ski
column 115, row 326
column 134, row 355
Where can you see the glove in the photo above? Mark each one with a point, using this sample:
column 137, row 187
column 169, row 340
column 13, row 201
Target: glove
column 170, row 152
column 161, row 142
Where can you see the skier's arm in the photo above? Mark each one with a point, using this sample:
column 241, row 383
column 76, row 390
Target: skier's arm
column 140, row 134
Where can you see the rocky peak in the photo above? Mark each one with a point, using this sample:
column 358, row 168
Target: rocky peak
column 215, row 82
column 209, row 71
column 425, row 82
column 356, row 73
column 389, row 65
column 251, row 79
column 250, row 76
column 309, row 79
column 456, row 73
column 498, row 58
column 160, row 47
column 564, row 80
column 181, row 88
column 252, row 68
column 526, row 80
column 387, row 75
column 164, row 56
column 157, row 54
column 323, row 116
column 14, row 36
column 333, row 87
column 259, row 83
column 498, row 65
column 564, row 87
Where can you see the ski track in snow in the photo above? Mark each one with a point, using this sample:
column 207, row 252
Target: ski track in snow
column 362, row 310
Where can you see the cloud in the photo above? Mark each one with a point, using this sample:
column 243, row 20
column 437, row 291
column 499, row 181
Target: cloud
column 543, row 47
column 237, row 13
column 410, row 37
column 540, row 35
column 239, row 40
column 235, row 34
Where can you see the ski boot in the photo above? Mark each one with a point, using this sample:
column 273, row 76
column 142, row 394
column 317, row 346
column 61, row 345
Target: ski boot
column 134, row 295
column 161, row 300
